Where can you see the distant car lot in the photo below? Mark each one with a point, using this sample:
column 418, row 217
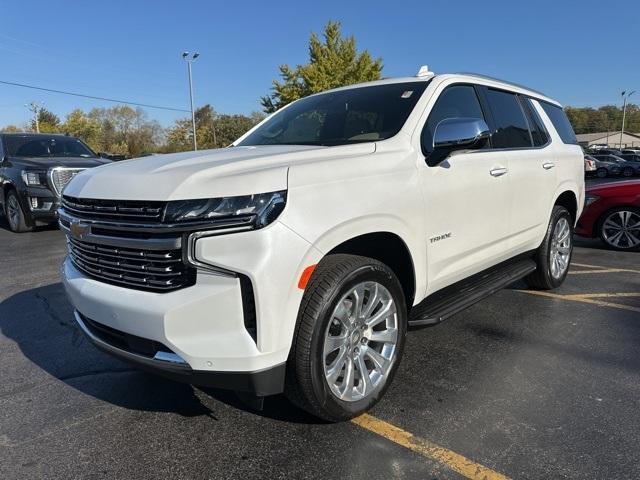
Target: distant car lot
column 523, row 385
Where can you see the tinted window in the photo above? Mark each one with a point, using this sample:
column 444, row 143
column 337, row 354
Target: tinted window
column 42, row 146
column 512, row 130
column 363, row 114
column 560, row 122
column 458, row 101
column 539, row 134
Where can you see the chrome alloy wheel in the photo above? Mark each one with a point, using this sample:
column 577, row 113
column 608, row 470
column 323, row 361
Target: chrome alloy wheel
column 360, row 342
column 13, row 211
column 621, row 229
column 560, row 251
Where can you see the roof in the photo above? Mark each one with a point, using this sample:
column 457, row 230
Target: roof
column 463, row 77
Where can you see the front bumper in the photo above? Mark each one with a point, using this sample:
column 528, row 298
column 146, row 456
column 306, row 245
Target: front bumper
column 203, row 324
column 265, row 382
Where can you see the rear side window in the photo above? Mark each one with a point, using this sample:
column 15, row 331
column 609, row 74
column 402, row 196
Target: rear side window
column 457, row 101
column 560, row 122
column 512, row 129
column 539, row 134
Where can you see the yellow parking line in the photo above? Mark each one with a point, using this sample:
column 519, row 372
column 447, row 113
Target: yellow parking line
column 588, row 298
column 453, row 460
column 604, row 268
column 607, row 270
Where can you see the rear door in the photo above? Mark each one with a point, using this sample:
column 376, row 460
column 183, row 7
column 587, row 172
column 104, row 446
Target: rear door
column 519, row 133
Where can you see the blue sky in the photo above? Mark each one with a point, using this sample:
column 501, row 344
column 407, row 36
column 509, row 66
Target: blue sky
column 130, row 50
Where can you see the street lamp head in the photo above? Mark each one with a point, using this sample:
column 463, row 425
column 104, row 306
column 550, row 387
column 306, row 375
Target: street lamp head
column 195, row 55
column 185, row 54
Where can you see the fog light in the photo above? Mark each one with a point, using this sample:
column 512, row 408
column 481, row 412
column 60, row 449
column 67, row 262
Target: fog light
column 38, row 204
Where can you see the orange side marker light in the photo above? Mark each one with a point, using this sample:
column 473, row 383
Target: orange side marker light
column 306, row 275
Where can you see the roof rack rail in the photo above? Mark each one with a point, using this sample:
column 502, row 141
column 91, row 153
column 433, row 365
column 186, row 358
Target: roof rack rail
column 487, row 77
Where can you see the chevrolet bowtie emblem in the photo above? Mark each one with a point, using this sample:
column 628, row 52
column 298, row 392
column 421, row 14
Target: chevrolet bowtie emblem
column 79, row 230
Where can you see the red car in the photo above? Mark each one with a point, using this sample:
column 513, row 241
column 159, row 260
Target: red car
column 612, row 212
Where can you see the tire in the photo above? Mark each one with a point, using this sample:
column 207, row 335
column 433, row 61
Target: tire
column 627, row 172
column 14, row 214
column 553, row 256
column 325, row 317
column 613, row 222
column 601, row 173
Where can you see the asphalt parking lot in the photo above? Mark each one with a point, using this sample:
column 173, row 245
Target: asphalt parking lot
column 521, row 385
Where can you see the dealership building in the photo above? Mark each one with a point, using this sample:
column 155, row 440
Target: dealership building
column 611, row 139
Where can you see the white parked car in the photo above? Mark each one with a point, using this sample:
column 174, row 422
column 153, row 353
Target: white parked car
column 296, row 259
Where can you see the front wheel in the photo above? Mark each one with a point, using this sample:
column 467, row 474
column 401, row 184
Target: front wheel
column 601, row 173
column 627, row 172
column 14, row 214
column 554, row 254
column 349, row 338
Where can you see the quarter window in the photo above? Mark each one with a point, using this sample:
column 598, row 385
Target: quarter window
column 560, row 122
column 512, row 129
column 457, row 101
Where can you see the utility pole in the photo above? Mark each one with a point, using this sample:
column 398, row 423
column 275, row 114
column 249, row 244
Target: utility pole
column 625, row 96
column 35, row 108
column 190, row 60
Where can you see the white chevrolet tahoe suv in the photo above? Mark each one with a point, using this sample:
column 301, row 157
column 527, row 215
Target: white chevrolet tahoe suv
column 294, row 260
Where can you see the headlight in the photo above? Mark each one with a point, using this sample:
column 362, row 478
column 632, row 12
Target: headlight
column 263, row 208
column 34, row 177
column 589, row 199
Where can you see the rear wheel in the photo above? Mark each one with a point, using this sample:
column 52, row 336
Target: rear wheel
column 601, row 172
column 349, row 338
column 620, row 228
column 14, row 214
column 554, row 254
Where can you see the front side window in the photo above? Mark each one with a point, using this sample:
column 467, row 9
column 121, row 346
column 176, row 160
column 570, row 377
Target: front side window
column 560, row 122
column 457, row 101
column 355, row 115
column 512, row 129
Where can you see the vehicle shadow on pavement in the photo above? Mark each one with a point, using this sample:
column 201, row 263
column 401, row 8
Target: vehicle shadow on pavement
column 5, row 226
column 40, row 321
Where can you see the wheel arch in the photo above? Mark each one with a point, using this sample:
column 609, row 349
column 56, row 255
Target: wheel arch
column 568, row 198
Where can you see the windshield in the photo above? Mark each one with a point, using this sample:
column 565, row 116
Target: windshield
column 42, row 146
column 355, row 115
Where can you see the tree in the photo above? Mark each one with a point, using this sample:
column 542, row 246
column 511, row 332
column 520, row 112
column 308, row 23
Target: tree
column 334, row 62
column 212, row 130
column 81, row 126
column 11, row 129
column 48, row 122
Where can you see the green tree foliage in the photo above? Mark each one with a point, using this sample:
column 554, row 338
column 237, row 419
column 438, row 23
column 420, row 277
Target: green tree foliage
column 334, row 62
column 11, row 129
column 213, row 130
column 78, row 124
column 603, row 119
column 48, row 122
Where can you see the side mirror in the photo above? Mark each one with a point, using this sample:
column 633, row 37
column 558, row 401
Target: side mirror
column 453, row 134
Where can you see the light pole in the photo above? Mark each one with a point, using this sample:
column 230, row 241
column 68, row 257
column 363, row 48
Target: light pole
column 35, row 108
column 190, row 60
column 625, row 97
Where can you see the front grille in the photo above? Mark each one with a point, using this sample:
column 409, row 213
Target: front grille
column 61, row 176
column 122, row 210
column 151, row 270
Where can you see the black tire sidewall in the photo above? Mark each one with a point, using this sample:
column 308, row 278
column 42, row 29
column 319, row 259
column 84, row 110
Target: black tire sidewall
column 338, row 409
column 22, row 223
column 607, row 214
column 600, row 171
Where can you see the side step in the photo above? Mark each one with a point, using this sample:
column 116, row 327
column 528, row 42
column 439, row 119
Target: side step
column 455, row 298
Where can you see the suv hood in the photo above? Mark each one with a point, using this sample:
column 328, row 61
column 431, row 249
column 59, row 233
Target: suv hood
column 50, row 162
column 203, row 174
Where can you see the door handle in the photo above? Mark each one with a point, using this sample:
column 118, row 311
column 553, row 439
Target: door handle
column 548, row 165
column 497, row 172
